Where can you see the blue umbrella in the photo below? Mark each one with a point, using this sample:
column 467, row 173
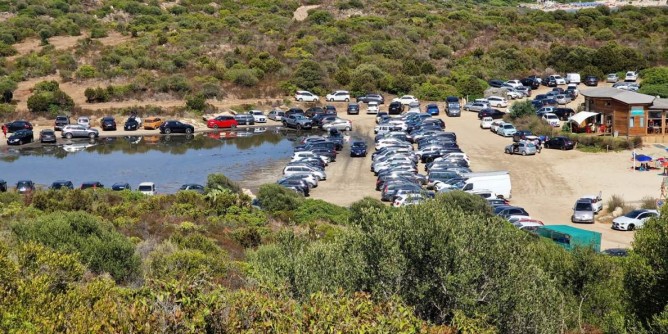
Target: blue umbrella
column 643, row 158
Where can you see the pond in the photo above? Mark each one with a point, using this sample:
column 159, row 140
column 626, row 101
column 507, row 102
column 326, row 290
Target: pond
column 250, row 156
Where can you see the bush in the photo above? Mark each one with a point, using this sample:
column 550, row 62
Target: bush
column 242, row 77
column 275, row 198
column 521, row 109
column 98, row 31
column 86, row 72
column 214, row 181
column 196, row 102
column 614, row 202
column 648, row 202
column 99, row 246
column 315, row 210
column 361, row 208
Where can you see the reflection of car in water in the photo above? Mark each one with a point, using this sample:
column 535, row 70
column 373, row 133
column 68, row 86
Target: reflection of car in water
column 151, row 139
column 76, row 147
column 133, row 139
column 178, row 138
column 259, row 130
column 244, row 134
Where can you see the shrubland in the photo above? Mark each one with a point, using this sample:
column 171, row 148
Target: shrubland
column 98, row 260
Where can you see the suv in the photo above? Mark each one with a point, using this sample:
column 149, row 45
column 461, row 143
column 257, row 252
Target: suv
column 108, row 123
column 591, row 80
column 631, row 76
column 25, row 186
column 395, row 108
column 297, row 121
column 302, row 95
column 18, row 125
column 452, row 107
column 338, row 96
column 60, row 122
column 371, row 97
column 244, row 119
column 78, row 131
column 531, row 81
column 62, row 184
column 353, row 109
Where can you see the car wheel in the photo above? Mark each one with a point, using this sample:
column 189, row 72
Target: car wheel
column 301, row 100
column 168, row 130
column 215, row 126
column 68, row 135
column 563, row 148
column 189, row 130
column 234, row 126
column 507, row 152
column 524, row 153
column 631, row 227
column 347, row 100
column 331, row 100
column 348, row 128
column 299, row 126
column 91, row 136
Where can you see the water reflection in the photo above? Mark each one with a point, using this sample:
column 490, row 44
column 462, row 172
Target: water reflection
column 168, row 160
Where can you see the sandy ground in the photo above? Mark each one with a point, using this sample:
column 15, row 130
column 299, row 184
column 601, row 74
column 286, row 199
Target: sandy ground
column 301, row 13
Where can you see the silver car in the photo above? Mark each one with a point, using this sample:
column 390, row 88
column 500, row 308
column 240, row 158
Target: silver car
column 522, row 147
column 276, row 115
column 78, row 131
column 583, row 212
column 476, row 106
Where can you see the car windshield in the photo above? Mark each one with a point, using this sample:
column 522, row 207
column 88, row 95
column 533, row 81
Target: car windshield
column 359, row 144
column 634, row 213
column 582, row 206
column 23, row 184
column 145, row 188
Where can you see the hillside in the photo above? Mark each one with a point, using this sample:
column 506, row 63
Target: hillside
column 152, row 51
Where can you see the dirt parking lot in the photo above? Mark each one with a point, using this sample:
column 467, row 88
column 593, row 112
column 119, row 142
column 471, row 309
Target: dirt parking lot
column 546, row 185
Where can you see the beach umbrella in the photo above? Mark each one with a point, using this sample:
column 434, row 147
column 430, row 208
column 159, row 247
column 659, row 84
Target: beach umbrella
column 643, row 158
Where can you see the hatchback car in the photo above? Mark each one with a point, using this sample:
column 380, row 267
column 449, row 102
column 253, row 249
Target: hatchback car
column 119, row 186
column 432, row 109
column 60, row 122
column 258, row 116
column 591, row 80
column 486, row 122
column 21, row 137
column 84, row 121
column 633, row 220
column 583, row 212
column 306, row 96
column 78, row 131
column 506, row 130
column 489, row 112
column 338, row 96
column 18, row 125
column 91, row 184
column 222, row 122
column 108, row 123
column 372, row 107
column 152, row 123
column 612, row 78
column 497, row 101
column 358, row 149
column 339, row 124
column 131, row 124
column 192, row 187
column 25, row 186
column 353, row 109
column 276, row 115
column 47, row 136
column 61, row 184
column 562, row 143
column 176, row 127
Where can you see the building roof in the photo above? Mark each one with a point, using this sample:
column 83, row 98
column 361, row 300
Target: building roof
column 660, row 103
column 624, row 96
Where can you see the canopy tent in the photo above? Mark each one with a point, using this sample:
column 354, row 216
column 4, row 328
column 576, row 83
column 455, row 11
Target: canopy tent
column 582, row 116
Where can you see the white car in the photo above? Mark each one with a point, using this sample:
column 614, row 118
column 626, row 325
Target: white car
column 631, row 76
column 494, row 126
column 258, row 116
column 406, row 99
column 513, row 94
column 514, row 83
column 612, row 78
column 306, row 96
column 497, row 101
column 84, row 121
column 551, row 119
column 596, row 201
column 558, row 79
column 455, row 155
column 372, row 108
column 301, row 155
column 338, row 96
column 486, row 122
column 147, row 188
column 407, row 199
column 339, row 124
column 633, row 220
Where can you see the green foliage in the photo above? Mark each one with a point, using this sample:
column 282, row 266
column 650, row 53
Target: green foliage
column 7, row 50
column 214, row 181
column 315, row 210
column 434, row 92
column 521, row 109
column 7, row 88
column 654, row 90
column 196, row 102
column 360, row 209
column 320, row 16
column 47, row 97
column 308, row 75
column 471, row 87
column 532, row 123
column 86, row 72
column 275, row 198
column 243, row 76
column 98, row 245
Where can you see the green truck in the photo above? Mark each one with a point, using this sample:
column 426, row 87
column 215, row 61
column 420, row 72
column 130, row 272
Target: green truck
column 570, row 237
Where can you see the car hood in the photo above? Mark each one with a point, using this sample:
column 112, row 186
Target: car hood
column 623, row 220
column 583, row 213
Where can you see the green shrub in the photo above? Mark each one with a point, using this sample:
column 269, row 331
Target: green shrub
column 361, row 208
column 216, row 180
column 86, row 72
column 99, row 246
column 196, row 102
column 315, row 210
column 614, row 202
column 7, row 50
column 275, row 198
column 98, row 31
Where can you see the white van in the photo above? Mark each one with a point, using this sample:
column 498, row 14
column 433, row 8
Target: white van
column 147, row 188
column 573, row 78
column 497, row 182
column 497, row 101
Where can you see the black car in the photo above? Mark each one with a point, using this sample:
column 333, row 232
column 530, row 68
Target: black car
column 244, row 119
column 371, row 97
column 61, row 121
column 18, row 125
column 293, row 111
column 496, row 83
column 25, row 186
column 330, row 110
column 550, row 82
column 21, row 137
column 311, row 112
column 47, row 136
column 62, row 184
column 591, row 80
column 521, row 134
column 353, row 109
column 3, row 186
column 296, row 183
column 358, row 149
column 119, row 186
column 192, row 187
column 489, row 112
column 176, row 127
column 564, row 113
column 108, row 123
column 531, row 81
column 395, row 108
column 92, row 184
column 130, row 125
column 562, row 143
column 621, row 252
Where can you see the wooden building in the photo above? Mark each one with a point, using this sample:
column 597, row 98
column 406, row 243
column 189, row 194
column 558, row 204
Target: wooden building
column 626, row 113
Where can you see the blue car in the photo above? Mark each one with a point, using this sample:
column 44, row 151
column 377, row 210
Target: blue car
column 432, row 109
column 358, row 149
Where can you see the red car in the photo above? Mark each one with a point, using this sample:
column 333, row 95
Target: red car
column 222, row 122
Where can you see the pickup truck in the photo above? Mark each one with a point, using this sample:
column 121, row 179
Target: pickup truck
column 297, row 121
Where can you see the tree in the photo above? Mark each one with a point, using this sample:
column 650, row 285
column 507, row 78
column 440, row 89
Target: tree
column 308, row 75
column 471, row 86
column 217, row 180
column 520, row 109
column 7, row 88
column 274, row 198
column 196, row 102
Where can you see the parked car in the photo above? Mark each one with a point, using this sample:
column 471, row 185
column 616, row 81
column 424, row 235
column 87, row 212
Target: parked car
column 414, row 107
column 591, row 81
column 595, row 200
column 61, row 184
column 244, row 119
column 633, row 220
column 131, row 124
column 551, row 119
column 531, row 82
column 120, row 186
column 558, row 79
column 573, row 78
column 432, row 109
column 631, row 76
column 47, row 136
column 152, row 123
column 276, row 115
column 371, row 97
column 583, row 212
column 497, row 101
column 338, row 96
column 192, row 187
column 306, row 96
column 3, row 186
column 258, row 116
column 358, row 149
column 476, row 106
column 562, row 143
column 514, row 83
column 372, row 107
column 395, row 108
column 506, row 130
column 496, row 83
column 18, row 125
column 339, row 124
column 523, row 147
column 60, row 121
column 486, row 122
column 147, row 188
column 108, row 123
column 563, row 99
column 406, row 99
column 91, row 184
column 84, row 121
column 507, row 211
column 173, row 126
column 21, row 137
column 353, row 109
column 489, row 112
column 25, row 186
column 630, row 86
column 223, row 121
column 297, row 121
column 494, row 127
column 314, row 111
column 612, row 78
column 78, row 131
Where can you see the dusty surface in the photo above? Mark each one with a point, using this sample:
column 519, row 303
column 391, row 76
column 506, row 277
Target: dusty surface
column 301, row 13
